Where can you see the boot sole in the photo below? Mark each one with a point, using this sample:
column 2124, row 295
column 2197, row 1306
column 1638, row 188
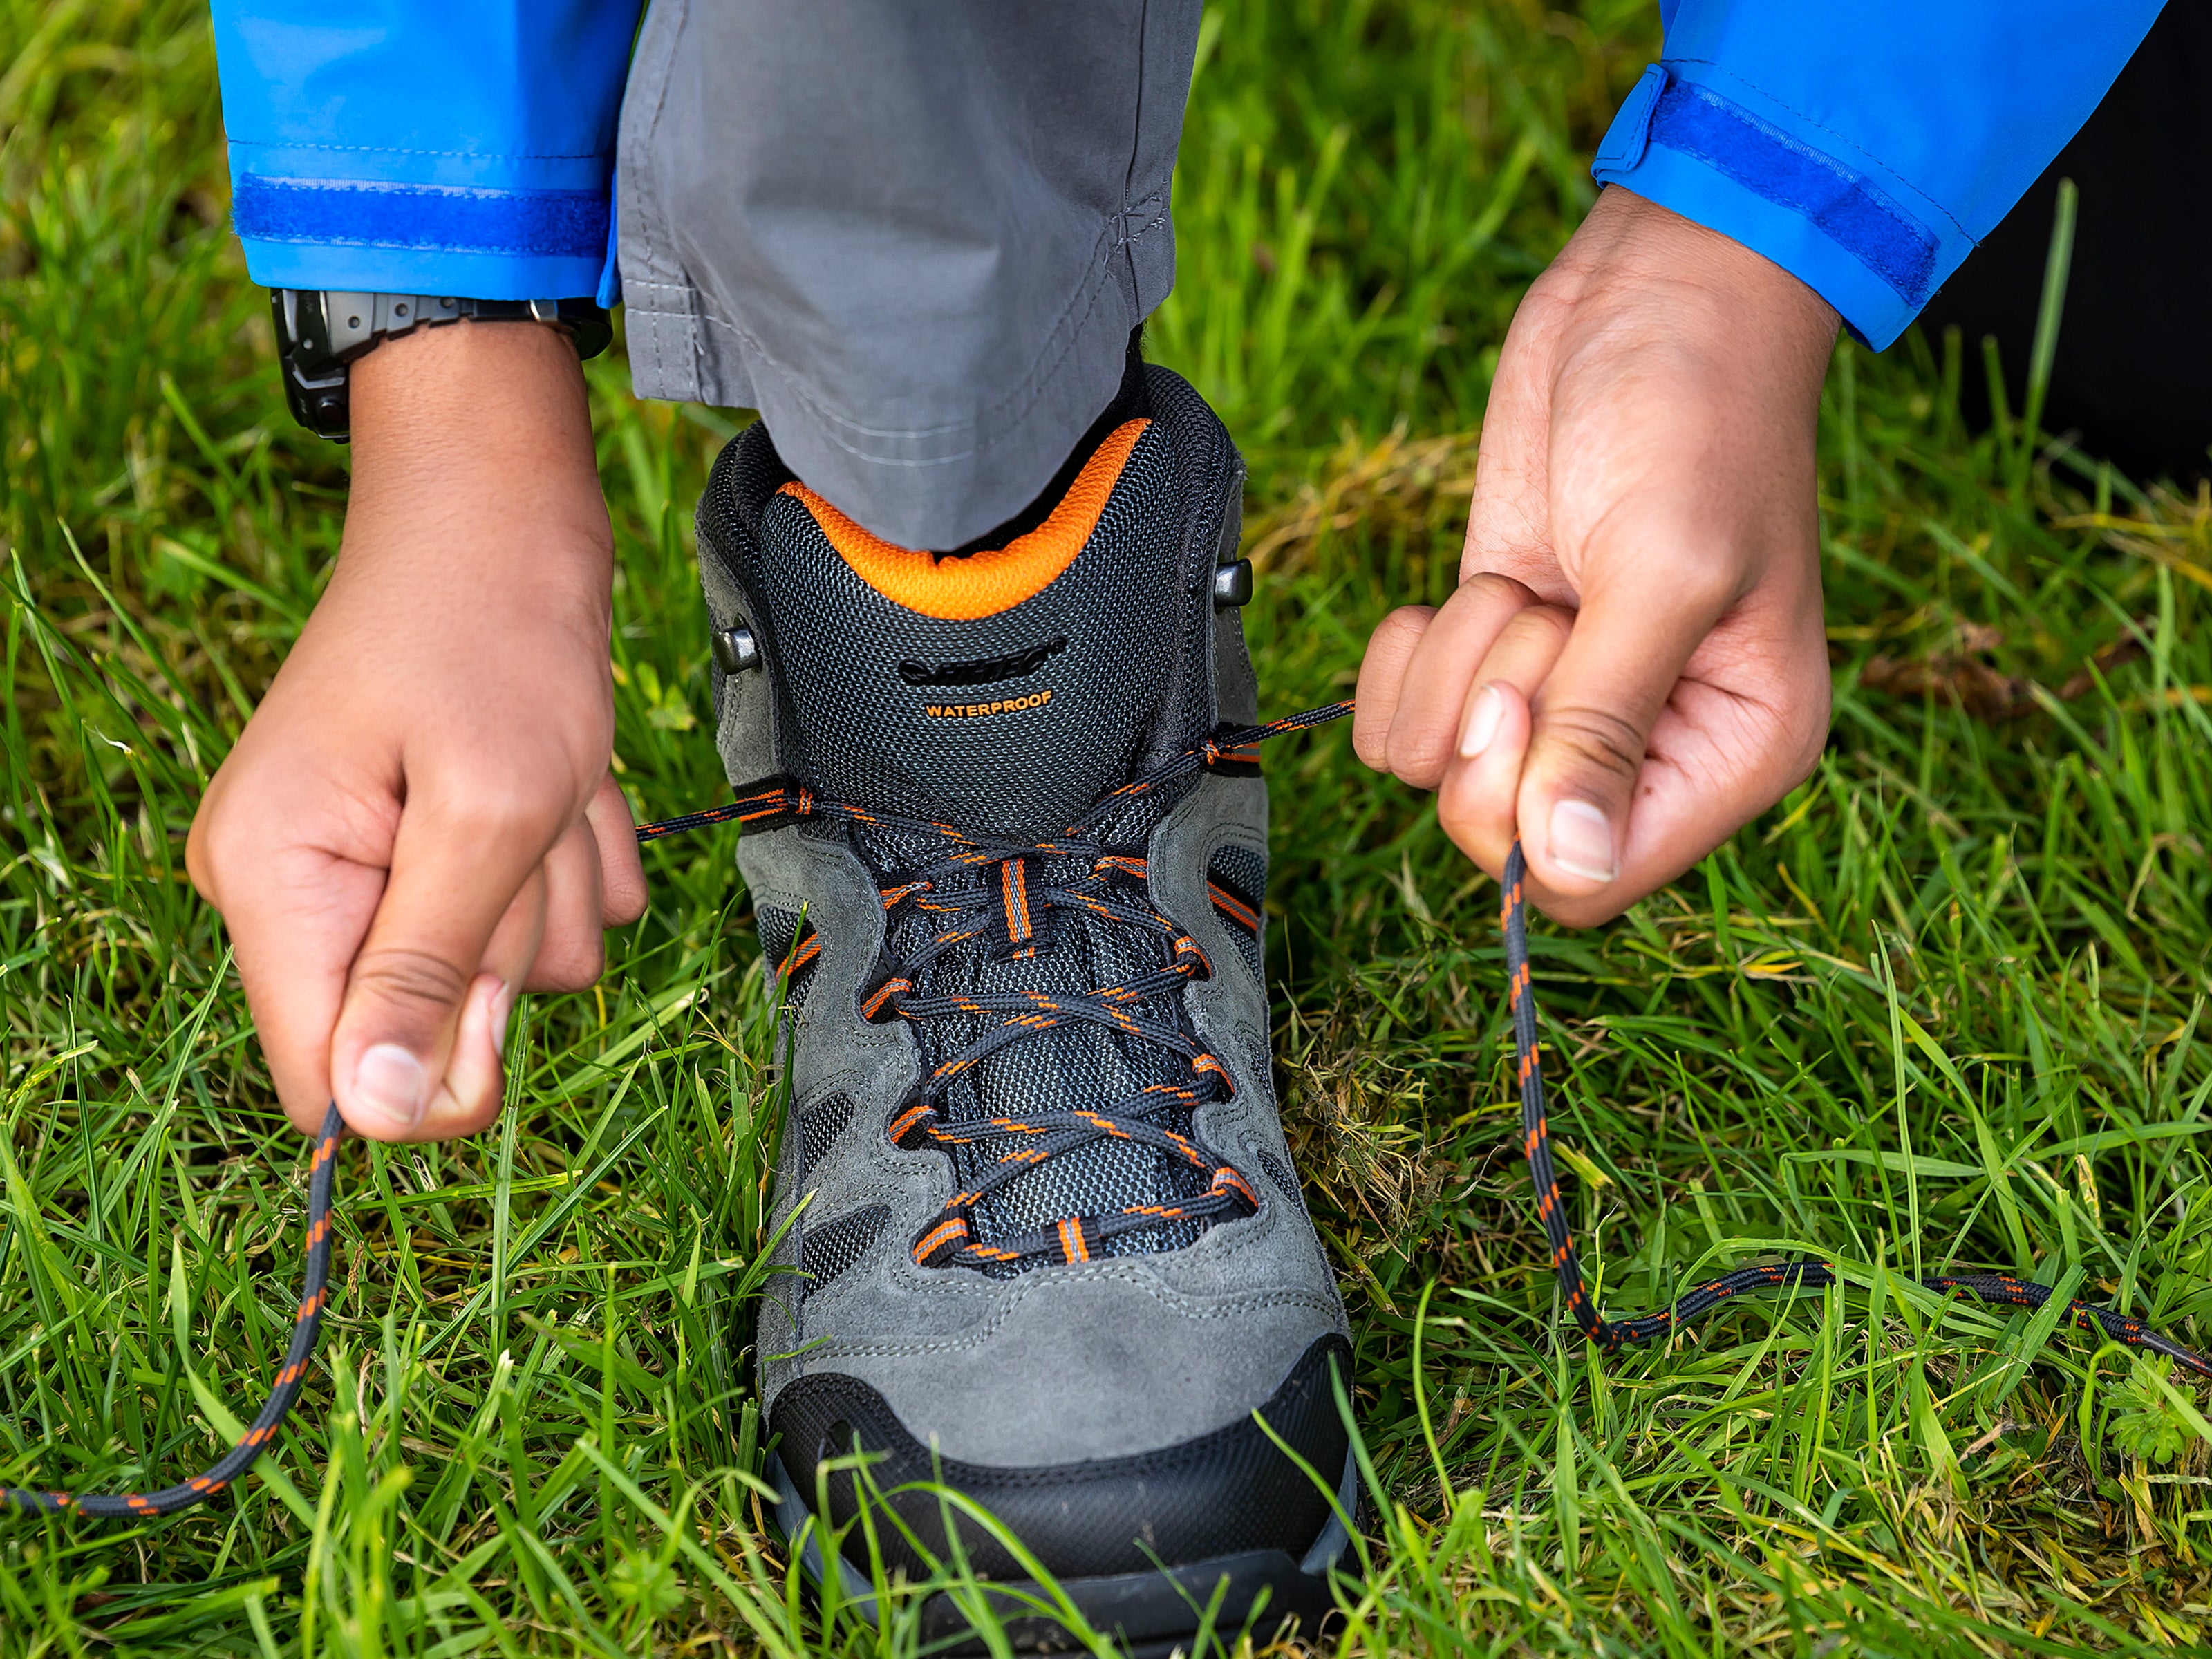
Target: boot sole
column 1151, row 1614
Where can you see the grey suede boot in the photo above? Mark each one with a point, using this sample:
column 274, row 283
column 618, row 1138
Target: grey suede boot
column 1052, row 1253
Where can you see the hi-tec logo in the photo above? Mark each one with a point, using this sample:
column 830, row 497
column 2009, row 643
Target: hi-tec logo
column 961, row 711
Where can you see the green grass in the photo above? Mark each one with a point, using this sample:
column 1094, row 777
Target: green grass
column 1945, row 1005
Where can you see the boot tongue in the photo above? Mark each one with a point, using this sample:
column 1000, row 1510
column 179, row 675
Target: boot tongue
column 1007, row 690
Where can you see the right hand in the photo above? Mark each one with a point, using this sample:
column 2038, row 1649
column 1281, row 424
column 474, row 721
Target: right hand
column 417, row 824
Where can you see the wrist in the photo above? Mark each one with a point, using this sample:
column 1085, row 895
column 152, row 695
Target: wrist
column 472, row 464
column 321, row 333
column 468, row 394
column 1643, row 236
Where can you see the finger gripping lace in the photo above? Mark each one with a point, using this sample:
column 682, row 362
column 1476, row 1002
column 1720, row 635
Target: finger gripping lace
column 1612, row 1334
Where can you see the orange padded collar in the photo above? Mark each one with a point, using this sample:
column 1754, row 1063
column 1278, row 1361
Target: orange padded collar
column 999, row 579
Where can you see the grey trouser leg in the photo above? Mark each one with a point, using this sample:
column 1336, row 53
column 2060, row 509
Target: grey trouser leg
column 913, row 234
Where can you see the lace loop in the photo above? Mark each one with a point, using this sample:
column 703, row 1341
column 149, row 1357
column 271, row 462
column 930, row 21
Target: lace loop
column 996, row 893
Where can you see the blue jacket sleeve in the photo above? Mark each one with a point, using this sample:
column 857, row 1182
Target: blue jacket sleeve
column 408, row 146
column 1864, row 145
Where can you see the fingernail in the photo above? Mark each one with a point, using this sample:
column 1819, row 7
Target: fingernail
column 391, row 1083
column 1582, row 841
column 1482, row 717
column 502, row 1005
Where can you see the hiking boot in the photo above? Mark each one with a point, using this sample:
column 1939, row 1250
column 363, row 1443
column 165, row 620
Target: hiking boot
column 1044, row 1244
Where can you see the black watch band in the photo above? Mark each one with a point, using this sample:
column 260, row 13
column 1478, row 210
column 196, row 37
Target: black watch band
column 320, row 334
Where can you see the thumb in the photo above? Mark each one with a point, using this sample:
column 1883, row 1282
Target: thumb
column 453, row 879
column 1593, row 718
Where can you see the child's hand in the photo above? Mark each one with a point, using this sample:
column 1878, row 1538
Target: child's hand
column 417, row 822
column 1634, row 664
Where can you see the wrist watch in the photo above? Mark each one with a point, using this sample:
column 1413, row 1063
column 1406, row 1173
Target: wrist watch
column 320, row 334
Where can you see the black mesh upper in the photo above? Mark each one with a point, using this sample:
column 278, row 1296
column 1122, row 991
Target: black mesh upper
column 818, row 1127
column 825, row 1252
column 860, row 733
column 1130, row 684
column 1280, row 1173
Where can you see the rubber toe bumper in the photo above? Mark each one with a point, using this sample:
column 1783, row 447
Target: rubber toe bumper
column 1231, row 1494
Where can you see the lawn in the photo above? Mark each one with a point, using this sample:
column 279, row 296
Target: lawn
column 1942, row 1006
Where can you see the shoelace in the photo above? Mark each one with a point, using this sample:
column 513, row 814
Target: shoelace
column 314, row 1296
column 980, row 892
column 1611, row 1334
column 1019, row 911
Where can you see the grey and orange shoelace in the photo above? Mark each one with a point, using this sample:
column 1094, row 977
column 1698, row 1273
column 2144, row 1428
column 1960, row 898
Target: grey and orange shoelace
column 314, row 1296
column 783, row 802
column 990, row 893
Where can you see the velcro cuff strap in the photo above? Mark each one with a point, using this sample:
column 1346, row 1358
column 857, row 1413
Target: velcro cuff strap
column 547, row 223
column 1849, row 208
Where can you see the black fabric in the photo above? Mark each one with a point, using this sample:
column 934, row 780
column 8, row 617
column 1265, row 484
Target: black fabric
column 858, row 731
column 827, row 1251
column 747, row 474
column 1210, row 484
column 1199, row 512
column 1223, row 1494
column 818, row 1127
column 780, row 930
column 777, row 928
column 1280, row 1173
column 2132, row 379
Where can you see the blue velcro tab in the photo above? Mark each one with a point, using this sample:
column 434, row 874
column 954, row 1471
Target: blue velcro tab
column 1846, row 206
column 1631, row 131
column 543, row 222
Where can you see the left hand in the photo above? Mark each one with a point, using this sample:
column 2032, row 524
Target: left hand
column 1634, row 665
